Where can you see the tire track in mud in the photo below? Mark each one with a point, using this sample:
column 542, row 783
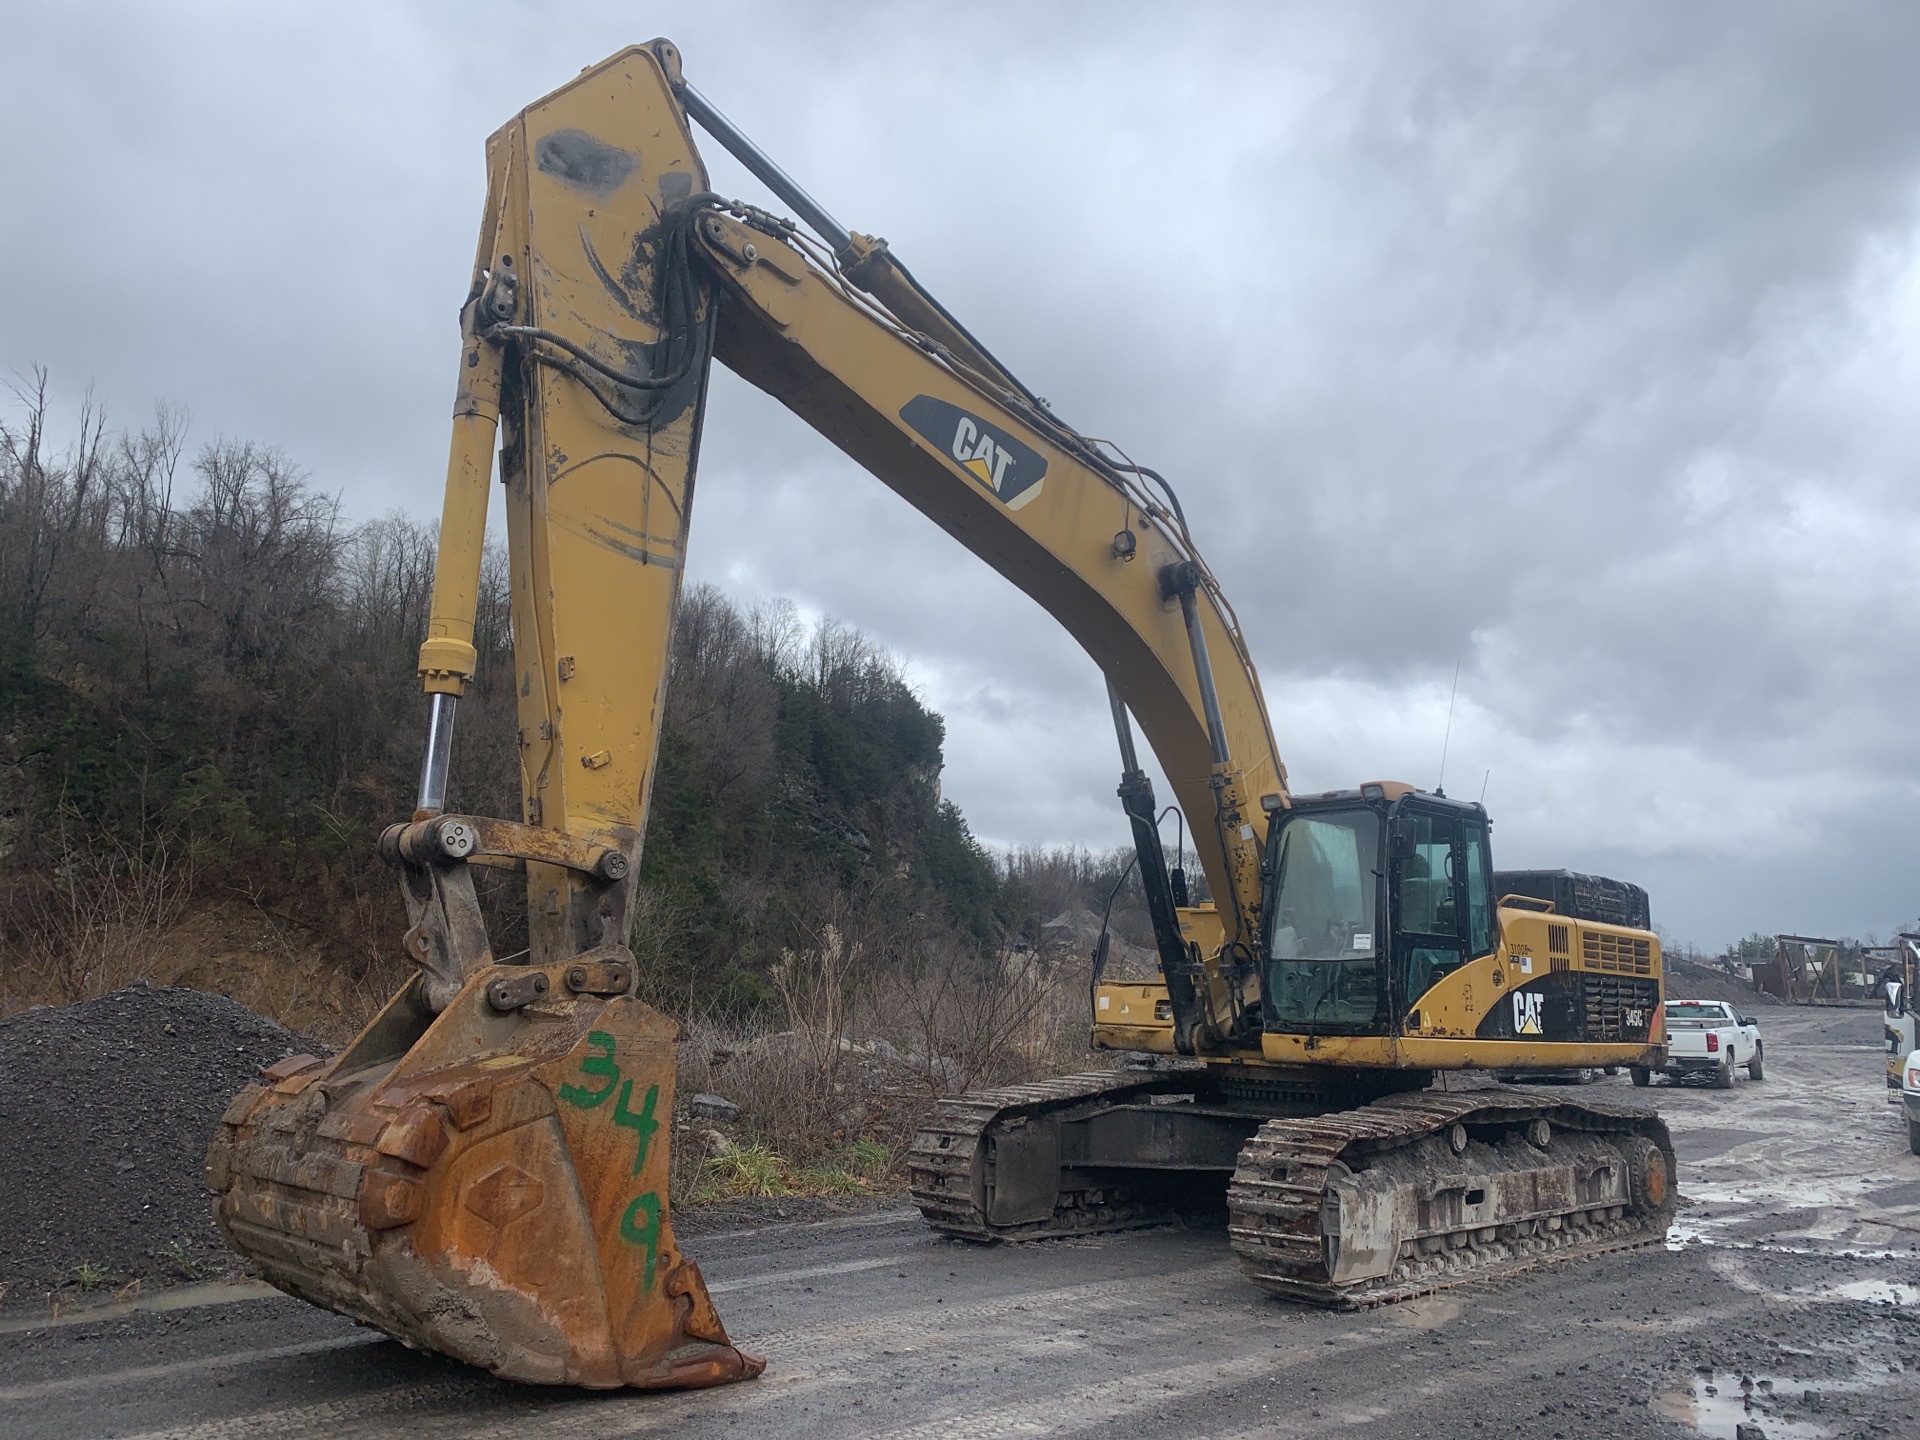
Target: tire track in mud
column 830, row 1366
column 1097, row 1403
column 1823, row 1139
column 1153, row 1334
column 804, row 1359
column 140, row 1374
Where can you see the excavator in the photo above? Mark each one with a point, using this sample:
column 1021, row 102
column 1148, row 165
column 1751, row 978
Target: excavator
column 484, row 1170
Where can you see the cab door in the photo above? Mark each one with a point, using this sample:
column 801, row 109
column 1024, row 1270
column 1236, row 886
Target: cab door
column 1442, row 902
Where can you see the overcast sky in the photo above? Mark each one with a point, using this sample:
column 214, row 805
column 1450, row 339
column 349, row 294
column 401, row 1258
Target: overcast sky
column 1573, row 346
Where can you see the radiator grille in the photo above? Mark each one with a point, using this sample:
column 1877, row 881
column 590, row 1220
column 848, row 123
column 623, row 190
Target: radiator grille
column 1606, row 1001
column 1557, row 939
column 1620, row 954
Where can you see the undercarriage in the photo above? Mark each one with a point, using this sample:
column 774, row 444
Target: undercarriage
column 1336, row 1197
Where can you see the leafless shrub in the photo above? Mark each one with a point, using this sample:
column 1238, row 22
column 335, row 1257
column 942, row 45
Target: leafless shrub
column 875, row 1033
column 92, row 922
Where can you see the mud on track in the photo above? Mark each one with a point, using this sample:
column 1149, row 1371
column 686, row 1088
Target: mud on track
column 874, row 1327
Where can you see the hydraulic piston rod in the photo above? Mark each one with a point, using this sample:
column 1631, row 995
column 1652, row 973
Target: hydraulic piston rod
column 762, row 167
column 1190, row 1029
column 439, row 752
column 1203, row 671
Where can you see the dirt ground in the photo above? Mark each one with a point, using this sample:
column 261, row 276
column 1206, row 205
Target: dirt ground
column 1788, row 1299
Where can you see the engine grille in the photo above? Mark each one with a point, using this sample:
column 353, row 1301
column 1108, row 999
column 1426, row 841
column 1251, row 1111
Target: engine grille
column 1618, row 954
column 1606, row 1001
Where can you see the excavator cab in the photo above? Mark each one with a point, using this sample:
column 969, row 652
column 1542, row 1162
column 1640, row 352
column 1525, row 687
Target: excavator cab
column 1371, row 901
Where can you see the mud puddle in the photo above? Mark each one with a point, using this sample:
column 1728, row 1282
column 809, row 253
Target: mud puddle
column 1878, row 1292
column 1718, row 1405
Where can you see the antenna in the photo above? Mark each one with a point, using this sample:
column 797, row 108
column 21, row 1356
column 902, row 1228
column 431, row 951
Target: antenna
column 1440, row 789
column 1483, row 785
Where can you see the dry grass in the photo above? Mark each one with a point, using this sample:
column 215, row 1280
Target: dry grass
column 93, row 921
column 830, row 1103
column 869, row 1031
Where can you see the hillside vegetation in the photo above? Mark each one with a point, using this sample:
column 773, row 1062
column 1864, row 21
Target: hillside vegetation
column 208, row 712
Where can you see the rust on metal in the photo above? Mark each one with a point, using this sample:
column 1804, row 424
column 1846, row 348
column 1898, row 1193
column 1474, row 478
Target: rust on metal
column 483, row 839
column 589, row 975
column 488, row 1184
column 512, row 991
column 1539, row 1181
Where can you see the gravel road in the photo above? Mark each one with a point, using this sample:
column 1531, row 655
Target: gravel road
column 1790, row 1300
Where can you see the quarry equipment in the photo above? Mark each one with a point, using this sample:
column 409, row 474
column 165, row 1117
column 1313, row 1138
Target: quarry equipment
column 1898, row 967
column 484, row 1170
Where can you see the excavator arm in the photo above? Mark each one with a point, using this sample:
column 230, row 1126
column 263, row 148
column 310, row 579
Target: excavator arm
column 478, row 1171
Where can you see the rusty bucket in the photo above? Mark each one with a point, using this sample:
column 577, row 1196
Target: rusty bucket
column 489, row 1182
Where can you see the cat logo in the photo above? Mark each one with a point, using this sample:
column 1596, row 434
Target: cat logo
column 1526, row 1012
column 1008, row 467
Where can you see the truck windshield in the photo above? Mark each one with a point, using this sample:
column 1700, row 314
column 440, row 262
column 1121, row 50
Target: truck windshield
column 1322, row 965
column 1677, row 1010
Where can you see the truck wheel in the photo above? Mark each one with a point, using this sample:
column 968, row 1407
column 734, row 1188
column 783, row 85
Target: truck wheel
column 1642, row 1076
column 1913, row 1136
column 1723, row 1077
column 1753, row 1065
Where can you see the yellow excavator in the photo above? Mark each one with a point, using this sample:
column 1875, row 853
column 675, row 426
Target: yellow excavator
column 484, row 1170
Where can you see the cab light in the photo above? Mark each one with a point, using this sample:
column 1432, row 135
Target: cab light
column 1713, row 1043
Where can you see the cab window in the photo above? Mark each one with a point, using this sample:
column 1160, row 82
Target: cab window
column 1321, row 920
column 1429, row 931
column 1480, row 899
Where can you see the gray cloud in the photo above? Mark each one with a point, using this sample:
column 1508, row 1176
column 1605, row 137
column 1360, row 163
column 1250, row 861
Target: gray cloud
column 1573, row 344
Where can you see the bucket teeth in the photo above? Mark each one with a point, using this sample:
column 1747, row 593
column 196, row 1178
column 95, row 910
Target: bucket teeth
column 495, row 1190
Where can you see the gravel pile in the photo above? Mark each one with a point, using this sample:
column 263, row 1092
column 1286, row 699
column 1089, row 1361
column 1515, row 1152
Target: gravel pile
column 1687, row 981
column 106, row 1108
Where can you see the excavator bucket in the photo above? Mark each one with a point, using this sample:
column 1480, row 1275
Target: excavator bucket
column 489, row 1182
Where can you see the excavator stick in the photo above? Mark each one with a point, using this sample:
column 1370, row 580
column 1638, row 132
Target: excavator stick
column 484, row 1171
column 489, row 1183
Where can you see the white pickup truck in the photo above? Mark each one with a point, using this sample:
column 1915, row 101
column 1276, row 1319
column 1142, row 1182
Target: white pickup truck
column 1708, row 1039
column 1910, row 1099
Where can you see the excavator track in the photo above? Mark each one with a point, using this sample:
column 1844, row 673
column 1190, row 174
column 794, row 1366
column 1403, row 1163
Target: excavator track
column 1357, row 1206
column 951, row 1166
column 1412, row 1162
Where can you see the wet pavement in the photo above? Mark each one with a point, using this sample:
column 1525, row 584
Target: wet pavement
column 1788, row 1298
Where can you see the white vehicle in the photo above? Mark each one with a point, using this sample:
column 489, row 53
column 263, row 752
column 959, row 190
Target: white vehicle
column 1708, row 1039
column 1910, row 1099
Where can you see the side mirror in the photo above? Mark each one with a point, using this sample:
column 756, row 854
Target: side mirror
column 1400, row 841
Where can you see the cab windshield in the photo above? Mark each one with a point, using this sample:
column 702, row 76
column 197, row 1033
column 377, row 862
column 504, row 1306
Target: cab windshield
column 1322, row 964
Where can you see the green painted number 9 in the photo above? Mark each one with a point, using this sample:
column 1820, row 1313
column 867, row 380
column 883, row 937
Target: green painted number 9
column 646, row 1234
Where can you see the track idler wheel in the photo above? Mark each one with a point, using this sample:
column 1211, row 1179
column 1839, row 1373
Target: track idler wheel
column 1649, row 1174
column 490, row 1183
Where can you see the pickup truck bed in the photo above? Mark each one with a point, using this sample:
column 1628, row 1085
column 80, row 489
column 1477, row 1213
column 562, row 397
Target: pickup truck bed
column 1709, row 1040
